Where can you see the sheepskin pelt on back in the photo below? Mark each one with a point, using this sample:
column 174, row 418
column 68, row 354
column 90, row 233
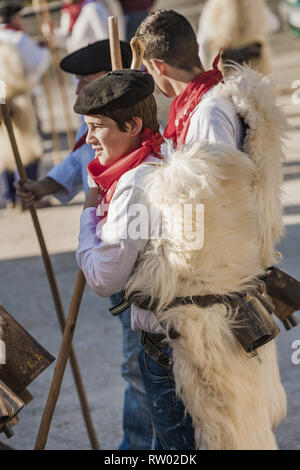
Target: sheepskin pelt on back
column 235, row 400
column 233, row 24
column 21, row 110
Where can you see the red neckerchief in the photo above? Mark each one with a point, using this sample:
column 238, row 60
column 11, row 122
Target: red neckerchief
column 184, row 104
column 107, row 177
column 74, row 11
column 80, row 142
column 8, row 26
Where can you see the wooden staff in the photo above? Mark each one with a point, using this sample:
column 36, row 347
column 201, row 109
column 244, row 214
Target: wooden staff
column 61, row 363
column 76, row 298
column 46, row 80
column 59, row 74
column 53, row 285
column 114, row 43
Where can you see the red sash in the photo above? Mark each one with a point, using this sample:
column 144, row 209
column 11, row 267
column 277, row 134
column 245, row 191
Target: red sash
column 185, row 103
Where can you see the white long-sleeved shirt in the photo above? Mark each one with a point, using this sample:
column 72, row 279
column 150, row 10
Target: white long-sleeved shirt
column 108, row 265
column 35, row 59
column 90, row 26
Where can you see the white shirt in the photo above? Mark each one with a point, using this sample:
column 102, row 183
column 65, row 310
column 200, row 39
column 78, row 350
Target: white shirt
column 107, row 258
column 108, row 265
column 90, row 26
column 35, row 59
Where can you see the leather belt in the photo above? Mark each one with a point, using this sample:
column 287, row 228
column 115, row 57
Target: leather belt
column 150, row 344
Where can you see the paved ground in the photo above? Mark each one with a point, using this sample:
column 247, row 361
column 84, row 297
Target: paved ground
column 25, row 293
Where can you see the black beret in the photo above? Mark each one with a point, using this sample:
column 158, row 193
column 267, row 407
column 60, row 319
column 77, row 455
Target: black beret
column 9, row 9
column 94, row 58
column 114, row 90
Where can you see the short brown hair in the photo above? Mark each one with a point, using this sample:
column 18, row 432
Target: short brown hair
column 146, row 110
column 169, row 36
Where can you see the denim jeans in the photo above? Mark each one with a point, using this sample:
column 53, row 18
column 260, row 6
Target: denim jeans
column 8, row 178
column 174, row 427
column 137, row 424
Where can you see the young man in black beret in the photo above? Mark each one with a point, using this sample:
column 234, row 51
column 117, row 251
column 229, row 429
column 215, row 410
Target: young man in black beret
column 64, row 181
column 118, row 219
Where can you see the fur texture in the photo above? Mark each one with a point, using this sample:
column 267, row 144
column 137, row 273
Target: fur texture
column 22, row 112
column 235, row 400
column 232, row 24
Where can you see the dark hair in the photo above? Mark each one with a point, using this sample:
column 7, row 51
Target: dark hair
column 169, row 36
column 146, row 110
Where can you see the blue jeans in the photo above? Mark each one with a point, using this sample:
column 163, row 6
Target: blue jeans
column 9, row 177
column 137, row 424
column 174, row 427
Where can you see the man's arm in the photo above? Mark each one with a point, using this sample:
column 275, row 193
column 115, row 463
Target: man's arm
column 36, row 190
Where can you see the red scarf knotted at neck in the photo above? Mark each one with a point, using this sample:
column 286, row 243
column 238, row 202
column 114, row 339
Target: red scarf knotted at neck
column 13, row 28
column 184, row 104
column 107, row 177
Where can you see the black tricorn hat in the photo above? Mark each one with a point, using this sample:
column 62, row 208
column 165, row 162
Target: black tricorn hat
column 9, row 9
column 94, row 58
column 114, row 90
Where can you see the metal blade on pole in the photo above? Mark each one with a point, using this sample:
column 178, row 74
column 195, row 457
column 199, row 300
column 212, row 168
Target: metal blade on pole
column 53, row 286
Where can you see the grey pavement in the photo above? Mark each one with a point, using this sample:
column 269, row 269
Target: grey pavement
column 24, row 292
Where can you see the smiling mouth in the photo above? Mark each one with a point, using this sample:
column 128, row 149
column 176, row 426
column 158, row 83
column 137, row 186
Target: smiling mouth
column 98, row 151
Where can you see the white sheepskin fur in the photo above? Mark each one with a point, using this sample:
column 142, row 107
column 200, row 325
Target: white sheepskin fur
column 232, row 24
column 235, row 400
column 22, row 112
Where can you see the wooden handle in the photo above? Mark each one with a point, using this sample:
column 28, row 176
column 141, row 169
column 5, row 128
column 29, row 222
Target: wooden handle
column 61, row 363
column 114, row 43
column 138, row 50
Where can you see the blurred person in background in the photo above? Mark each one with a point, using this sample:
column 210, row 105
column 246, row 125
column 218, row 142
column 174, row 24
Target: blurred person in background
column 241, row 29
column 134, row 13
column 23, row 62
column 82, row 22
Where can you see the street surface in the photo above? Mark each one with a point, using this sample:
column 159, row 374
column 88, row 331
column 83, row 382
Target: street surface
column 24, row 292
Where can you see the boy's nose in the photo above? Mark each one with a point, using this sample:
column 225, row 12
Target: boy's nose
column 90, row 138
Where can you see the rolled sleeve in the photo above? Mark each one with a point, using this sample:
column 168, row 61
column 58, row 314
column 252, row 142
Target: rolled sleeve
column 68, row 174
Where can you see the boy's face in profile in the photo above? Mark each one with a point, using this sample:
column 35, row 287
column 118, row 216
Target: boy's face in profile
column 109, row 143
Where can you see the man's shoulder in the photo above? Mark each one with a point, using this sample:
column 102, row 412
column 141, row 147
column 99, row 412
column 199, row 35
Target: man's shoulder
column 214, row 104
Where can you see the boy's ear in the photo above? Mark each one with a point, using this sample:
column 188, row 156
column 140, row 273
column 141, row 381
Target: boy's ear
column 159, row 66
column 135, row 126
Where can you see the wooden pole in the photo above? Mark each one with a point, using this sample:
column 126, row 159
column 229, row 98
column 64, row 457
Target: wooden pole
column 46, row 80
column 114, row 43
column 61, row 363
column 59, row 74
column 53, row 285
column 138, row 49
